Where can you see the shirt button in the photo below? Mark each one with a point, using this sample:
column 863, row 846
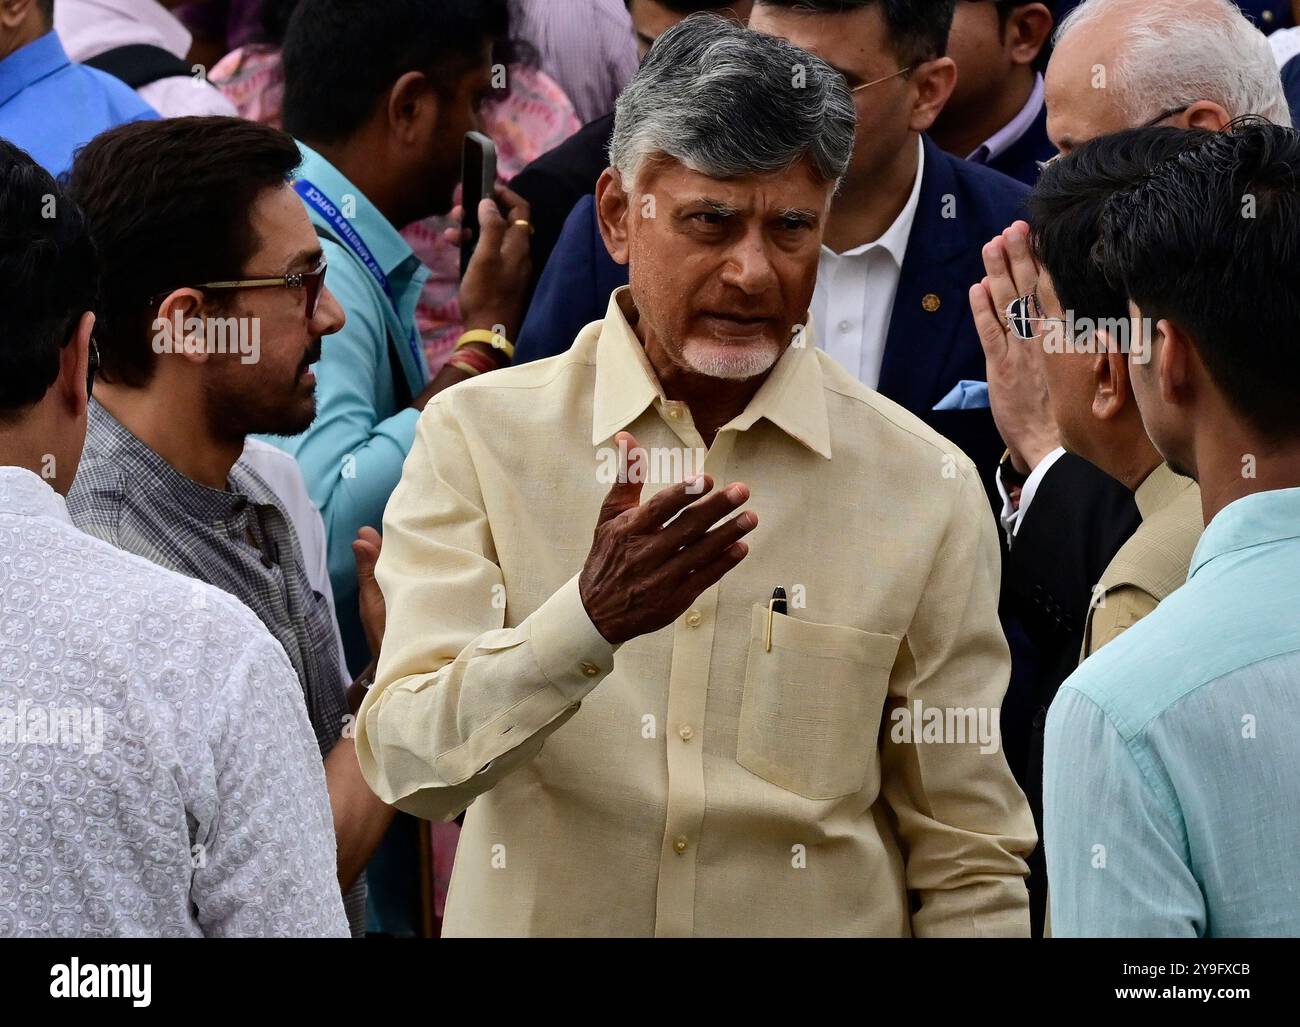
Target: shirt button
column 845, row 326
column 687, row 732
column 693, row 618
column 675, row 413
column 590, row 670
column 679, row 846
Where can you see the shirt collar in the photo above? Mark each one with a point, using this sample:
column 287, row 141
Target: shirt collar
column 28, row 495
column 791, row 397
column 381, row 238
column 1161, row 487
column 894, row 239
column 115, row 444
column 28, row 64
column 92, row 27
column 1009, row 134
column 1253, row 520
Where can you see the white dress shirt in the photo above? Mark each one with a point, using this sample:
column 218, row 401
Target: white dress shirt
column 89, row 28
column 158, row 776
column 1012, row 515
column 854, row 298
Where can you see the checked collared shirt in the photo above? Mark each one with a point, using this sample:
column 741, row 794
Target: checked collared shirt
column 239, row 539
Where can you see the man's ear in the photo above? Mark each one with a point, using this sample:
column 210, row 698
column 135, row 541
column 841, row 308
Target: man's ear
column 1028, row 29
column 1110, row 378
column 74, row 366
column 613, row 211
column 179, row 328
column 934, row 81
column 13, row 13
column 1205, row 114
column 412, row 105
column 1176, row 363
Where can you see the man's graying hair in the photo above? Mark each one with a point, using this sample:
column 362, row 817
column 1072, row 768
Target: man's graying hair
column 728, row 102
column 1176, row 53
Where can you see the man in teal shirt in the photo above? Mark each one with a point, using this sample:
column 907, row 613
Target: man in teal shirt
column 381, row 143
column 352, row 455
column 1171, row 787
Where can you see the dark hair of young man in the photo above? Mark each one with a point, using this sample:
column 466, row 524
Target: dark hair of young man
column 342, row 56
column 1066, row 206
column 47, row 279
column 169, row 207
column 1209, row 242
column 919, row 28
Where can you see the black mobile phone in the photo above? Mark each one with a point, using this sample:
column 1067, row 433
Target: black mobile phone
column 478, row 179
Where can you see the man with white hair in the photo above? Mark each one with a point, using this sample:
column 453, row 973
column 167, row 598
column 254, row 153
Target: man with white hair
column 1117, row 65
column 669, row 730
column 1187, row 63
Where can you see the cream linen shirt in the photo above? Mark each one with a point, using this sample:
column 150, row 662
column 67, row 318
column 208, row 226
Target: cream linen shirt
column 692, row 782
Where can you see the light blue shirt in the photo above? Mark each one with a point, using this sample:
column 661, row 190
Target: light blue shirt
column 352, row 455
column 51, row 107
column 1172, row 764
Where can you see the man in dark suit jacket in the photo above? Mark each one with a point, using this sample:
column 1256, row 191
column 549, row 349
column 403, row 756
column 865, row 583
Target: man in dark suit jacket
column 997, row 115
column 1065, row 518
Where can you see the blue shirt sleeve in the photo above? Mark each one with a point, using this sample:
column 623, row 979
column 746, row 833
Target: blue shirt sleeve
column 1117, row 862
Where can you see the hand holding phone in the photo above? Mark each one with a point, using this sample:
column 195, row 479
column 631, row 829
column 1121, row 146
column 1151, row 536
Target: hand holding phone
column 478, row 182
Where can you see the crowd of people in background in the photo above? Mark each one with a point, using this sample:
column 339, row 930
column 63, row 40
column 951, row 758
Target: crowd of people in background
column 853, row 487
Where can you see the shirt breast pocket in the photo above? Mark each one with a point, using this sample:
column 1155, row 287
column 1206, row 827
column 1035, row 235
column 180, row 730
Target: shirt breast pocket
column 810, row 715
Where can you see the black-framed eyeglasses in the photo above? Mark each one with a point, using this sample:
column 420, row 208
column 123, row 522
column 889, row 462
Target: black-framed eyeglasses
column 313, row 281
column 1164, row 115
column 1023, row 313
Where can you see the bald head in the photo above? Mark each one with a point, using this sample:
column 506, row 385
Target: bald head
column 1189, row 63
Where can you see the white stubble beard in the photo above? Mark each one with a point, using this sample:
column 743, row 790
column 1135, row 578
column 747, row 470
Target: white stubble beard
column 732, row 363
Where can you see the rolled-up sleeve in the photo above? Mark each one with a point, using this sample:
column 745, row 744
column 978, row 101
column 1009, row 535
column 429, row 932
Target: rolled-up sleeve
column 460, row 700
column 966, row 826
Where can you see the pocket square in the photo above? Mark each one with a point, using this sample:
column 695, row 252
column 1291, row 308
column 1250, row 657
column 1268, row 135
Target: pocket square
column 966, row 395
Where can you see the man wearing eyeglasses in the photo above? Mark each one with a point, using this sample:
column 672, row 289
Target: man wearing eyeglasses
column 1047, row 291
column 1117, row 65
column 158, row 773
column 206, row 249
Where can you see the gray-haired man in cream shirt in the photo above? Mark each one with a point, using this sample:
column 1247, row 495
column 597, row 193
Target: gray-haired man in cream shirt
column 650, row 745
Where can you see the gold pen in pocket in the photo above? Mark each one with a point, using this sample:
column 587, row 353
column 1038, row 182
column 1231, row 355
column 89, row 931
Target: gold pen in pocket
column 775, row 605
